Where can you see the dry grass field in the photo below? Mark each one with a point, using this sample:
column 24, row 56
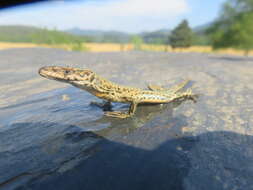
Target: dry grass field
column 113, row 47
column 7, row 45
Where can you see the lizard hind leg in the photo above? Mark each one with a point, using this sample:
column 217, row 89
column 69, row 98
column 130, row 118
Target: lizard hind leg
column 173, row 89
column 123, row 115
column 179, row 86
column 155, row 87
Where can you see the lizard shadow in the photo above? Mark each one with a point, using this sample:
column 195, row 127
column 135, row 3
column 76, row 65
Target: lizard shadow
column 232, row 58
column 147, row 159
column 35, row 154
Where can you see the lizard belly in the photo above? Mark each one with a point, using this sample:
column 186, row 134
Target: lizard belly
column 153, row 98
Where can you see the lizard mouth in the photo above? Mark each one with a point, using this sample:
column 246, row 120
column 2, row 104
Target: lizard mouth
column 46, row 72
column 43, row 72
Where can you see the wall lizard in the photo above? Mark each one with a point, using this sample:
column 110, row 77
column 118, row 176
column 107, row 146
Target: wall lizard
column 88, row 80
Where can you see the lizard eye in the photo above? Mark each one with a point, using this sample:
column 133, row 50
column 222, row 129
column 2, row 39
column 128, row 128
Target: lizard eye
column 92, row 78
column 66, row 72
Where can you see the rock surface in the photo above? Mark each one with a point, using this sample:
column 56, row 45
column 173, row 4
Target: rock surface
column 52, row 138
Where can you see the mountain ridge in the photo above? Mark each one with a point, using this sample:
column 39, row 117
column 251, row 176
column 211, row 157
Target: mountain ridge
column 22, row 33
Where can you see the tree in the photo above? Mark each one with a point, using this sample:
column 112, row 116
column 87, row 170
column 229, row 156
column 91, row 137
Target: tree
column 234, row 28
column 181, row 36
column 137, row 42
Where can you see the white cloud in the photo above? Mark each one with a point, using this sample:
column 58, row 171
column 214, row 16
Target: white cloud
column 126, row 15
column 149, row 8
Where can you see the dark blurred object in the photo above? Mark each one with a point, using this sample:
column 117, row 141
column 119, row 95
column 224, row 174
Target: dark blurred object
column 11, row 3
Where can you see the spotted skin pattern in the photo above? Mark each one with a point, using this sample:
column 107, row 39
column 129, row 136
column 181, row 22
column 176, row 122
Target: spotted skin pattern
column 102, row 88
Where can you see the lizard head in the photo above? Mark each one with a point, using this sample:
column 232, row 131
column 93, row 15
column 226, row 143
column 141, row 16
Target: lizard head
column 74, row 76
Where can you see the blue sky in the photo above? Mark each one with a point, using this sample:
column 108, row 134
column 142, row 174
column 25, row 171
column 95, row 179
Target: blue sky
column 123, row 15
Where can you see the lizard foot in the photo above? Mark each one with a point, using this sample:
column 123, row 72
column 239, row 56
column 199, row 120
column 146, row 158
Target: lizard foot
column 117, row 114
column 189, row 95
column 194, row 97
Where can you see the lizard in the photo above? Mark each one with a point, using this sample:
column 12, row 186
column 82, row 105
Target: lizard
column 102, row 88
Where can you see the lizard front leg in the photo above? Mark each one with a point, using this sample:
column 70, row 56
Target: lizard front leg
column 105, row 105
column 123, row 115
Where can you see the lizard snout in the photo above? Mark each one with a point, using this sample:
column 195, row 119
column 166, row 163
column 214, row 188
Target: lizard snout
column 42, row 71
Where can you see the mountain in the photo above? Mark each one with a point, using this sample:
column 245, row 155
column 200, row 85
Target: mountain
column 156, row 37
column 19, row 33
column 101, row 36
column 81, row 32
column 201, row 29
column 152, row 37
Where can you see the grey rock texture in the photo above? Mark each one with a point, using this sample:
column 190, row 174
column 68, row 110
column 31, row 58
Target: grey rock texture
column 52, row 138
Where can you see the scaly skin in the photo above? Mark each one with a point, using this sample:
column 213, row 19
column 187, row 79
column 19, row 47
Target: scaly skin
column 112, row 92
